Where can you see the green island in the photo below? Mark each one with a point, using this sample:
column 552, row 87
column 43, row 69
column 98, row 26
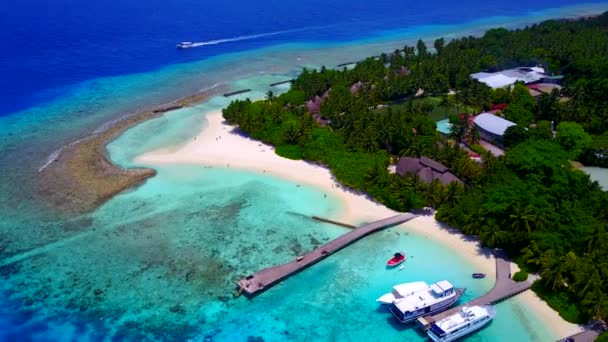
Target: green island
column 531, row 202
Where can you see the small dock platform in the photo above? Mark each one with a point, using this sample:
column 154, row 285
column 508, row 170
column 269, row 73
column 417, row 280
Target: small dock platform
column 583, row 336
column 237, row 92
column 266, row 278
column 504, row 288
column 282, row 82
column 345, row 64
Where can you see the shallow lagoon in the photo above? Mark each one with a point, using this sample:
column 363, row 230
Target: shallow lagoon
column 161, row 260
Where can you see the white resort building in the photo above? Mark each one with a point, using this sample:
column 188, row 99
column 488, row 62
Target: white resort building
column 507, row 78
column 491, row 127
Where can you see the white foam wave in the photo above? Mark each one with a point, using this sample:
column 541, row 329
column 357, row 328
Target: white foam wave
column 248, row 37
column 55, row 155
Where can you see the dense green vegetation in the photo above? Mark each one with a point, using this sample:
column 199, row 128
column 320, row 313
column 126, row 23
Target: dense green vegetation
column 520, row 276
column 531, row 202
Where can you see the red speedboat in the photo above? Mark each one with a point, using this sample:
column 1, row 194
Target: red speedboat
column 396, row 259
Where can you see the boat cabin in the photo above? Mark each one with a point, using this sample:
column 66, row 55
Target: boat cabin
column 462, row 323
column 424, row 302
column 442, row 288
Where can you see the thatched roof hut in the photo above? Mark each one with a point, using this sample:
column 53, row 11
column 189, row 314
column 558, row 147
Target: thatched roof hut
column 426, row 169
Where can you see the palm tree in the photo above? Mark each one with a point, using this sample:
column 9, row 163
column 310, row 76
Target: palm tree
column 598, row 239
column 455, row 190
column 475, row 225
column 436, row 194
column 270, row 96
column 466, row 168
column 377, row 175
column 370, row 140
column 522, row 218
column 416, row 149
column 489, row 161
column 588, row 280
column 599, row 306
column 473, row 136
column 445, row 103
column 557, row 273
column 492, row 236
column 292, row 134
column 532, row 255
column 247, row 123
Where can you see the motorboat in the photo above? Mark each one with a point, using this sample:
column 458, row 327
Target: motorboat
column 397, row 259
column 401, row 291
column 462, row 323
column 184, row 45
column 479, row 275
column 422, row 301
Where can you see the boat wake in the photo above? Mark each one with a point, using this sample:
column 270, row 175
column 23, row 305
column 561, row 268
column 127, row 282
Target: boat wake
column 249, row 37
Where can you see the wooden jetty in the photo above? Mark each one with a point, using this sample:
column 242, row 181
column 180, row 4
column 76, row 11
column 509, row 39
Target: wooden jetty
column 237, row 92
column 590, row 334
column 583, row 336
column 504, row 288
column 341, row 224
column 266, row 278
column 345, row 64
column 282, row 82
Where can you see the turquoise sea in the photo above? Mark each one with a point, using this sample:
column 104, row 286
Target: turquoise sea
column 160, row 261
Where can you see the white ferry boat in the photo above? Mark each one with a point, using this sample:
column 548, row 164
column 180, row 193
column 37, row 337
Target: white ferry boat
column 468, row 320
column 402, row 290
column 413, row 300
column 184, row 45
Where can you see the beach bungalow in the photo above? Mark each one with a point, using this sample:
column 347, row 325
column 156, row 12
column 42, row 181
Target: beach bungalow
column 537, row 89
column 426, row 169
column 507, row 78
column 491, row 127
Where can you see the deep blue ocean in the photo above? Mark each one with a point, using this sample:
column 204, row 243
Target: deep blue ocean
column 47, row 46
column 159, row 262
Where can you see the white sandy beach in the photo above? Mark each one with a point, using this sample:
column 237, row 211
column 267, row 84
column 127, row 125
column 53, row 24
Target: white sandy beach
column 216, row 145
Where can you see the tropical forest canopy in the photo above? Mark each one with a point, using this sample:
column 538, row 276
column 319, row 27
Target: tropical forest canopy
column 531, row 202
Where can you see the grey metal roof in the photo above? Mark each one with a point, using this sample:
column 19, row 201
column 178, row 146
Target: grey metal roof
column 492, row 123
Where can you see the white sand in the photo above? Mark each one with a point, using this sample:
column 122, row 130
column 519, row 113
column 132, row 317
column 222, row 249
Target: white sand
column 218, row 146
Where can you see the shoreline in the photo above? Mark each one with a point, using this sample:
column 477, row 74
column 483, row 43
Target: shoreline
column 80, row 176
column 221, row 145
column 98, row 179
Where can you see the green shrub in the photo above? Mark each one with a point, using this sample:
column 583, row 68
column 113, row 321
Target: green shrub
column 478, row 149
column 520, row 276
column 602, row 338
column 293, row 97
column 289, row 151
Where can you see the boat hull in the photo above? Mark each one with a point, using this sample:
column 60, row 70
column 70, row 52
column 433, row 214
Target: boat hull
column 394, row 263
column 473, row 328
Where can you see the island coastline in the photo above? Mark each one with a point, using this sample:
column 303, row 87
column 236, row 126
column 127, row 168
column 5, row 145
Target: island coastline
column 223, row 146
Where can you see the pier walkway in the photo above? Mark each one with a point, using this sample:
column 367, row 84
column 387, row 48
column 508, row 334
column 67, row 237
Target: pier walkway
column 504, row 288
column 267, row 277
column 583, row 336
